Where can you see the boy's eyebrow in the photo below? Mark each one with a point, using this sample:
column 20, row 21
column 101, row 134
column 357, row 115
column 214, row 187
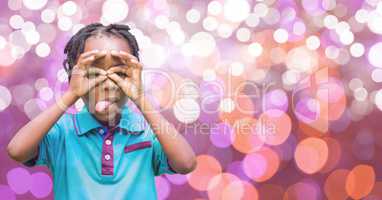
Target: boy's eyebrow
column 116, row 61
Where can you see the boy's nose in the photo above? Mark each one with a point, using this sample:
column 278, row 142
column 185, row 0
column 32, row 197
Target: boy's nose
column 109, row 85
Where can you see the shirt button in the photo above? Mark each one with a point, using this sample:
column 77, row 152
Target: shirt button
column 108, row 142
column 101, row 131
column 107, row 157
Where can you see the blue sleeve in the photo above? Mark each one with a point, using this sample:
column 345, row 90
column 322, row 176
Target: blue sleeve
column 47, row 149
column 160, row 160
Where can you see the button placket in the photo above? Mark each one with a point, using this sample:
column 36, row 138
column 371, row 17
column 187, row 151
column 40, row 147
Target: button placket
column 107, row 154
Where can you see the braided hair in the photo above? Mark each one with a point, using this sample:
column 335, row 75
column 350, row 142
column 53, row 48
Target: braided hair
column 76, row 44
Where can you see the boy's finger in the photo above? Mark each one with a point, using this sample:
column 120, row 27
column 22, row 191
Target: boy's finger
column 85, row 62
column 96, row 81
column 127, row 58
column 117, row 79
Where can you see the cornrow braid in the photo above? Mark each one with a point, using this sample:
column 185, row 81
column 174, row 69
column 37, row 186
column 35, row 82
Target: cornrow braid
column 76, row 44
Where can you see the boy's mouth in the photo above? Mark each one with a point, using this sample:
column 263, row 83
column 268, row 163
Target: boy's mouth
column 102, row 105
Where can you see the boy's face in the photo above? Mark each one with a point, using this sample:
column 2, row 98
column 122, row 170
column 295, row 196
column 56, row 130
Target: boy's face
column 107, row 90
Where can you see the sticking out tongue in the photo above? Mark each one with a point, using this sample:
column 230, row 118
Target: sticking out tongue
column 102, row 105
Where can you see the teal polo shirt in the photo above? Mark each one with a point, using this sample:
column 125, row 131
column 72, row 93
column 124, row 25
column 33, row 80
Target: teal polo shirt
column 91, row 161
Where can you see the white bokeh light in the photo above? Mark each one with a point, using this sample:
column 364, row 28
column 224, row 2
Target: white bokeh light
column 243, row 34
column 357, row 50
column 48, row 15
column 203, row 44
column 153, row 56
column 255, row 49
column 193, row 16
column 236, row 10
column 5, row 98
column 312, row 42
column 42, row 50
column 69, row 8
column 280, row 35
column 34, row 4
column 236, row 69
column 16, row 21
column 374, row 55
column 214, row 8
column 378, row 99
column 186, row 110
column 114, row 11
column 65, row 23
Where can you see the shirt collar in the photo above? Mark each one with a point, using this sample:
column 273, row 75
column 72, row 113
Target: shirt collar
column 130, row 122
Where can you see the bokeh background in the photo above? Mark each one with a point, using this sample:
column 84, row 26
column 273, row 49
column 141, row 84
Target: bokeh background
column 280, row 99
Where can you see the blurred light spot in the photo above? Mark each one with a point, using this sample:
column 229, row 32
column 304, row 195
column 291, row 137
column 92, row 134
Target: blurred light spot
column 19, row 180
column 312, row 42
column 376, row 75
column 299, row 28
column 186, row 110
column 311, row 155
column 280, row 35
column 16, row 21
column 64, row 23
column 15, row 4
column 261, row 165
column 357, row 50
column 360, row 181
column 374, row 55
column 162, row 187
column 252, row 20
column 243, row 34
column 153, row 56
column 193, row 16
column 48, row 15
column 236, row 68
column 232, row 6
column 45, row 93
column 378, row 99
column 5, row 98
column 302, row 59
column 177, row 179
column 210, row 23
column 33, row 107
column 205, row 170
column 330, row 21
column 41, row 185
column 114, row 11
column 360, row 94
column 220, row 135
column 69, row 8
column 214, row 8
column 161, row 21
column 245, row 139
column 34, row 4
column 203, row 44
column 334, row 187
column 261, row 9
column 43, row 50
column 274, row 127
column 255, row 49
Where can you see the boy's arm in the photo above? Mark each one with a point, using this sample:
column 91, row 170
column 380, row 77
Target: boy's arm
column 180, row 155
column 23, row 146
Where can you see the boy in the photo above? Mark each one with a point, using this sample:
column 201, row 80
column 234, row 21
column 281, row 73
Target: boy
column 105, row 151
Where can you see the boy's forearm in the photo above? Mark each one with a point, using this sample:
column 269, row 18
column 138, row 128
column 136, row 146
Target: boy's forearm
column 178, row 150
column 23, row 146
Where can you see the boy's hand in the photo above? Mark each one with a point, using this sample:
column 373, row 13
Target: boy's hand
column 128, row 77
column 84, row 77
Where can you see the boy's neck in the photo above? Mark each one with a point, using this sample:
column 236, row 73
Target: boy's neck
column 109, row 122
